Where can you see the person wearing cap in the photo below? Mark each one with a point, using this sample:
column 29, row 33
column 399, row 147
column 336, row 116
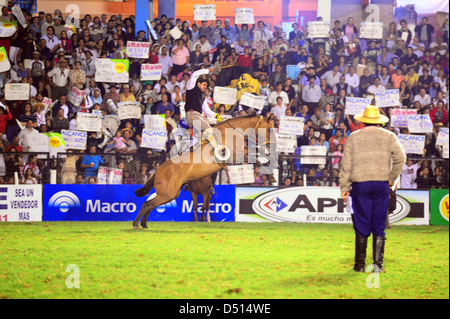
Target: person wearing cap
column 373, row 158
column 58, row 27
column 36, row 70
column 59, row 78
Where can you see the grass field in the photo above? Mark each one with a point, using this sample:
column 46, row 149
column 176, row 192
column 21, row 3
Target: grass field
column 215, row 260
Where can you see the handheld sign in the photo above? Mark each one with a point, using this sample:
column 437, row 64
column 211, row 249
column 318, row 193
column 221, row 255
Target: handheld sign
column 75, row 140
column 138, row 49
column 151, row 72
column 112, row 70
column 224, row 95
column 129, row 110
column 371, row 30
column 318, row 29
column 420, row 123
column 17, row 91
column 355, row 105
column 254, row 101
column 412, row 144
column 388, row 98
column 244, row 15
column 204, row 12
column 399, row 117
column 291, row 125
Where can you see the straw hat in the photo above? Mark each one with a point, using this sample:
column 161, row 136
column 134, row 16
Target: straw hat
column 129, row 130
column 371, row 115
column 37, row 106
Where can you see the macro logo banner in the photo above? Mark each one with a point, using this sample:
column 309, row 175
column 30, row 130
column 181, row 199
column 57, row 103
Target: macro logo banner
column 119, row 203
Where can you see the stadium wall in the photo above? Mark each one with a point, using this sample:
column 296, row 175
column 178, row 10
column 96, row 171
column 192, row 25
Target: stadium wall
column 53, row 202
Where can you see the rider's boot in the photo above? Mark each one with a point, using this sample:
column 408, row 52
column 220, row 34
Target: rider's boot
column 221, row 152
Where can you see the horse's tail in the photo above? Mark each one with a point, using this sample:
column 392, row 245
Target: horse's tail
column 140, row 192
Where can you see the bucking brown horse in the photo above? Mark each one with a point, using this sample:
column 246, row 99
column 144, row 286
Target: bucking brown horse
column 177, row 171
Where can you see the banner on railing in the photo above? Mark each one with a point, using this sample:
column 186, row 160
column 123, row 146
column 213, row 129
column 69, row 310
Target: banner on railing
column 20, row 203
column 118, row 203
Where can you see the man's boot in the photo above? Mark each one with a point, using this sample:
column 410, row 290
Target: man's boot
column 360, row 254
column 221, row 152
column 378, row 253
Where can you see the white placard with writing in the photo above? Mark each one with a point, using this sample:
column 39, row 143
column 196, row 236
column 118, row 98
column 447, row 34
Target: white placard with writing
column 356, row 105
column 7, row 29
column 442, row 137
column 291, row 125
column 253, row 101
column 241, row 174
column 17, row 11
column 151, row 72
column 244, row 15
column 204, row 12
column 88, row 122
column 420, row 123
column 154, row 135
column 224, row 95
column 17, row 91
column 75, row 140
column 111, row 176
column 111, row 71
column 399, row 117
column 129, row 110
column 286, row 143
column 388, row 98
column 412, row 144
column 76, row 96
column 318, row 29
column 21, row 203
column 138, row 49
column 313, row 151
column 371, row 30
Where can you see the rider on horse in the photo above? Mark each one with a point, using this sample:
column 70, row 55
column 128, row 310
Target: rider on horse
column 196, row 105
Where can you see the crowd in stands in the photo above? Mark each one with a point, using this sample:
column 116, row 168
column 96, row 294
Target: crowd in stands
column 54, row 55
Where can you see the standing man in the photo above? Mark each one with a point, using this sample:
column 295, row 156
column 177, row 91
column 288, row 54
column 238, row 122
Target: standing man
column 373, row 157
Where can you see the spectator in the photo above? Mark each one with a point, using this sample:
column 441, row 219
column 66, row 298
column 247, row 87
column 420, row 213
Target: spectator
column 91, row 163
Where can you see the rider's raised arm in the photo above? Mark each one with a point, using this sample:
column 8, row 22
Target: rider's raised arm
column 194, row 77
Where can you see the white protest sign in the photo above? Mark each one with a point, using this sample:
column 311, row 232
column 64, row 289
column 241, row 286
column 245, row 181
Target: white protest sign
column 388, row 98
column 224, row 95
column 129, row 110
column 244, row 15
column 76, row 96
column 420, row 123
column 17, row 91
column 7, row 29
column 313, row 151
column 17, row 11
column 442, row 137
column 412, row 144
column 291, row 125
column 371, row 30
column 176, row 33
column 88, row 122
column 204, row 12
column 254, row 101
column 356, row 105
column 111, row 176
column 138, row 49
column 21, row 203
column 151, row 72
column 286, row 143
column 154, row 135
column 111, row 70
column 318, row 29
column 241, row 174
column 445, row 150
column 75, row 140
column 399, row 117
column 38, row 143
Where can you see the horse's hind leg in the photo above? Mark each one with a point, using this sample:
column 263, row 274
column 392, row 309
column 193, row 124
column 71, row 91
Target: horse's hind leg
column 146, row 208
column 194, row 205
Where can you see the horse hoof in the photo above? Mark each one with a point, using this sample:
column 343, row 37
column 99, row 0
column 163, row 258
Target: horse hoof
column 144, row 226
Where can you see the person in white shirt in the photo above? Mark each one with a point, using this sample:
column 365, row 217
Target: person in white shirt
column 172, row 83
column 279, row 109
column 166, row 61
column 376, row 87
column 278, row 93
column 52, row 42
column 409, row 174
column 352, row 79
column 423, row 98
column 311, row 94
column 59, row 78
column 332, row 76
column 204, row 44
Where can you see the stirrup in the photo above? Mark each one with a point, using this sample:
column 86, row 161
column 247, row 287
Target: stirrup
column 220, row 154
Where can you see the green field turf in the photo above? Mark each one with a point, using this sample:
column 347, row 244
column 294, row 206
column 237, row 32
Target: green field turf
column 216, row 260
